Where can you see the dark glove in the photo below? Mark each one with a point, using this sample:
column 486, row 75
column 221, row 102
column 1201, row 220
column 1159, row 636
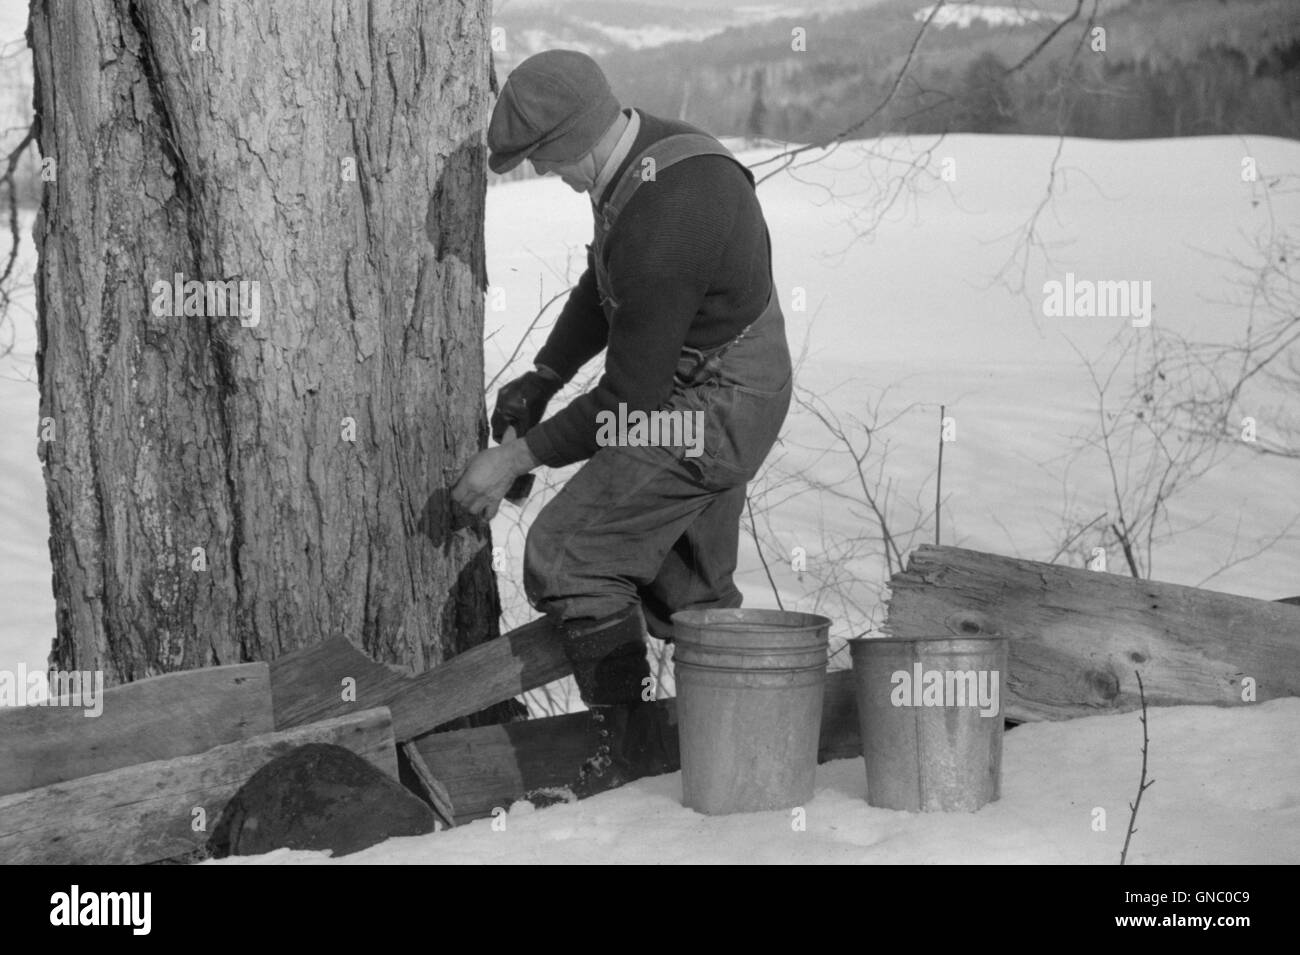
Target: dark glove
column 521, row 403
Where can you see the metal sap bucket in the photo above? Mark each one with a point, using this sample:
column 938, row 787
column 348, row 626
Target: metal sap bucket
column 930, row 714
column 750, row 685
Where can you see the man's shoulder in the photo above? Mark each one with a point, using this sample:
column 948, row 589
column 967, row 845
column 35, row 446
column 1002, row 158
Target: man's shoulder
column 718, row 170
column 705, row 182
column 655, row 128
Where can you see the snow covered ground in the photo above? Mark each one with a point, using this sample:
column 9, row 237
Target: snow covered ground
column 911, row 307
column 994, row 16
column 1227, row 790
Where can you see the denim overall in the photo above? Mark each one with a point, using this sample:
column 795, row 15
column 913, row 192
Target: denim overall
column 661, row 524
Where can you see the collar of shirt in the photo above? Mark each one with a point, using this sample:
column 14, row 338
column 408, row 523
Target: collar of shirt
column 621, row 149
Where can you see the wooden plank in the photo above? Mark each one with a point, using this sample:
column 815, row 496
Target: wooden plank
column 493, row 766
column 1077, row 636
column 307, row 684
column 144, row 813
column 176, row 714
column 434, row 791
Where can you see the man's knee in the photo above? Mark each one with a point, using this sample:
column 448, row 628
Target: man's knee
column 568, row 577
column 543, row 560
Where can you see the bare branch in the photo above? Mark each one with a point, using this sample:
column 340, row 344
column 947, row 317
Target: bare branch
column 753, row 532
column 787, row 157
column 1143, row 783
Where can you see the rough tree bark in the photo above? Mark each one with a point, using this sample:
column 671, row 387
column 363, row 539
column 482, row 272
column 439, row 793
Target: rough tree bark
column 331, row 151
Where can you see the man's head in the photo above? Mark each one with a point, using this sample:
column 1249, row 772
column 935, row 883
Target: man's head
column 580, row 175
column 553, row 109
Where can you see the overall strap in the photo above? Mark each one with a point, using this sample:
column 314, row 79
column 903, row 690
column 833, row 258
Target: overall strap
column 666, row 152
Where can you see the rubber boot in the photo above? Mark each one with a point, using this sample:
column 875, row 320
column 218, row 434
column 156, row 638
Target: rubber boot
column 609, row 665
column 608, row 657
column 634, row 740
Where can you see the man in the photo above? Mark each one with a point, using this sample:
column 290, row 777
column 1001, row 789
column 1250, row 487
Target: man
column 678, row 293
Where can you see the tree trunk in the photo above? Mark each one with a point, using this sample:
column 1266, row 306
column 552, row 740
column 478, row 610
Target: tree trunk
column 228, row 487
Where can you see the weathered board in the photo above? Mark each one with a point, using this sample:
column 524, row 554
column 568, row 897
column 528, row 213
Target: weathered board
column 492, row 766
column 1077, row 636
column 434, row 792
column 148, row 812
column 309, row 684
column 176, row 714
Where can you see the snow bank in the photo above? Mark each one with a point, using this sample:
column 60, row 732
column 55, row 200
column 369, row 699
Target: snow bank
column 1227, row 790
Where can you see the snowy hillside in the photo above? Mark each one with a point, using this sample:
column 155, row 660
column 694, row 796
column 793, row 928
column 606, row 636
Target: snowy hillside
column 915, row 309
column 601, row 28
column 994, row 16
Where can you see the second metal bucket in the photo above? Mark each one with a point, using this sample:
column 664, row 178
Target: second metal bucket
column 749, row 707
column 930, row 714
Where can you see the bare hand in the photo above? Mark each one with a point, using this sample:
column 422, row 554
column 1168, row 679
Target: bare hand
column 489, row 475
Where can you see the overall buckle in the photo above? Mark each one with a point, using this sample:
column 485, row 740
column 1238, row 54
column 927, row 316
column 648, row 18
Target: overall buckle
column 689, row 365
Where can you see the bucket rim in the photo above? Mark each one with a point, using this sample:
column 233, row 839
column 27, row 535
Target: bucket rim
column 751, row 649
column 752, row 671
column 750, row 618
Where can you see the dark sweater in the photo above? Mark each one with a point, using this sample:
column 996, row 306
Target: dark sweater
column 688, row 265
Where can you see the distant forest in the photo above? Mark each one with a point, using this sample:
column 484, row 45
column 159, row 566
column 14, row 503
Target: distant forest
column 1169, row 68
